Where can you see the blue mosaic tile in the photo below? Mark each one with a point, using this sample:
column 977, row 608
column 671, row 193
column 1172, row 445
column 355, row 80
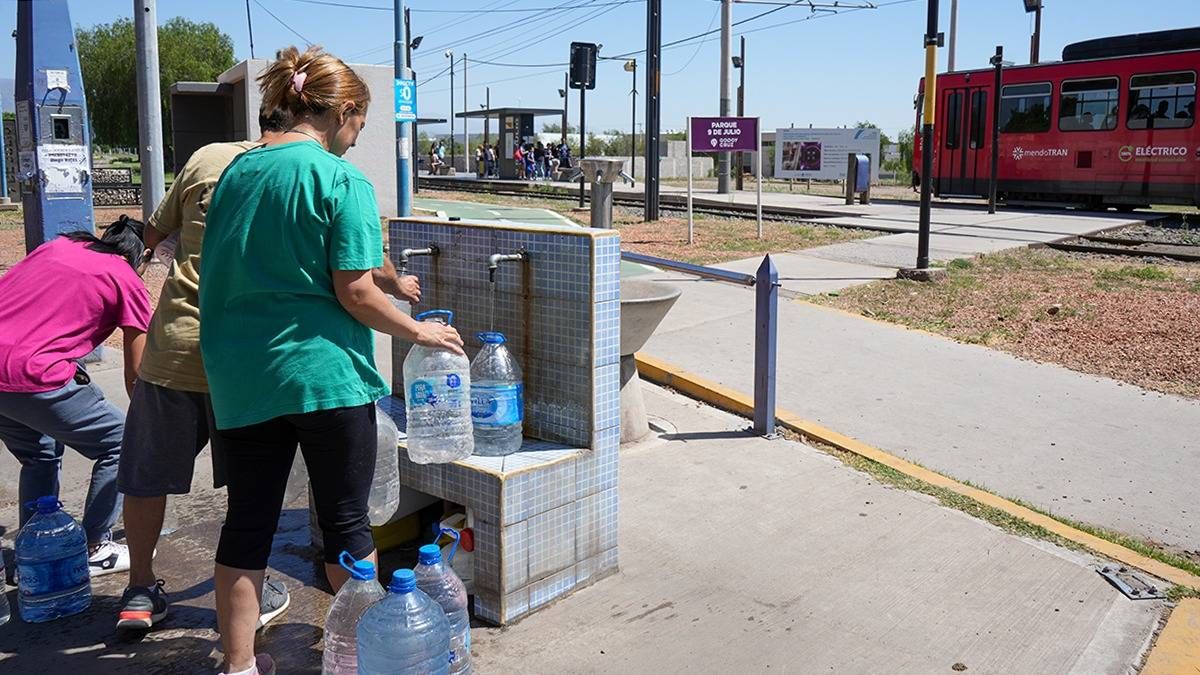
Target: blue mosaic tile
column 598, row 469
column 487, row 555
column 551, row 541
column 537, row 491
column 516, row 604
column 475, row 489
column 514, row 549
column 596, row 523
column 487, row 606
column 425, row 478
column 607, row 326
column 608, row 269
column 606, row 396
column 596, row 567
column 551, row 588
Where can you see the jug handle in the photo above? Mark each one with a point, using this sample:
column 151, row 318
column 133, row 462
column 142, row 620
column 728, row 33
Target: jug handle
column 348, row 566
column 454, row 534
column 32, row 506
column 446, row 314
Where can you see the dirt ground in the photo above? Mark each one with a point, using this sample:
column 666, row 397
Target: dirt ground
column 1131, row 320
column 717, row 239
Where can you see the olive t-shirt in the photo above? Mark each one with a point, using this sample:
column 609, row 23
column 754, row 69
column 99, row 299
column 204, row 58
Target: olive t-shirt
column 274, row 337
column 172, row 357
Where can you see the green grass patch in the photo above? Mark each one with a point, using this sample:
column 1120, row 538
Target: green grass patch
column 1132, row 273
column 1176, row 593
column 960, row 264
column 11, row 220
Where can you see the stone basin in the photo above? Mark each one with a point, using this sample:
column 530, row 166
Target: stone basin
column 644, row 304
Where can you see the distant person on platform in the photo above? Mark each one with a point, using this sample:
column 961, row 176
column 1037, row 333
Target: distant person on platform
column 519, row 159
column 56, row 306
column 489, row 159
column 564, row 156
column 479, row 162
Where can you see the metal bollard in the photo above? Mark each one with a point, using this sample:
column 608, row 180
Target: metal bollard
column 602, row 172
column 766, row 326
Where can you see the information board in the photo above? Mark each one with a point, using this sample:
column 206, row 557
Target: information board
column 822, row 153
column 406, row 100
column 724, row 134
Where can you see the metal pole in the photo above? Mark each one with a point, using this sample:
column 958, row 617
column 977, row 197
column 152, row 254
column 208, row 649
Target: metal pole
column 758, row 153
column 723, row 158
column 4, row 199
column 250, row 28
column 582, row 134
column 1035, row 43
column 453, row 158
column 466, row 109
column 687, row 134
column 487, row 119
column 653, row 107
column 403, row 138
column 930, row 99
column 766, row 319
column 416, row 149
column 998, row 62
column 741, row 107
column 633, row 125
column 953, row 36
column 566, row 100
column 145, row 23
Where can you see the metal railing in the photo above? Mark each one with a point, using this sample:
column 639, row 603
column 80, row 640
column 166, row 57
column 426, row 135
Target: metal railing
column 766, row 323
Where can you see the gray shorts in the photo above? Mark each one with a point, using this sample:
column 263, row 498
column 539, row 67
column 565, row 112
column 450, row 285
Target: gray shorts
column 164, row 431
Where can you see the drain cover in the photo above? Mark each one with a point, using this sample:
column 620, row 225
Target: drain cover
column 1133, row 586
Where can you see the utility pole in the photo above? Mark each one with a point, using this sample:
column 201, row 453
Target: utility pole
column 404, row 151
column 566, row 99
column 487, row 118
column 631, row 66
column 740, row 64
column 250, row 28
column 582, row 135
column 653, row 106
column 1035, row 43
column 450, row 55
column 998, row 64
column 408, row 47
column 150, row 152
column 726, row 54
column 927, row 149
column 953, row 36
column 466, row 109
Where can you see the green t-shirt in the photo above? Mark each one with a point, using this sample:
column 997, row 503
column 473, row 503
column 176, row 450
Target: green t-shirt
column 274, row 338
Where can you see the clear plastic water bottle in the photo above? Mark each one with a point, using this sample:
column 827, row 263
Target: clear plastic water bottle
column 52, row 569
column 442, row 585
column 497, row 398
column 341, row 621
column 406, row 632
column 5, row 610
column 437, row 399
column 384, row 498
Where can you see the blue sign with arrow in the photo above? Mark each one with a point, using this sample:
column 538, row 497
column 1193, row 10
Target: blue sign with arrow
column 406, row 100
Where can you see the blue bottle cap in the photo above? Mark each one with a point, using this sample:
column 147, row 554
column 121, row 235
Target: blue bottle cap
column 47, row 504
column 429, row 554
column 492, row 338
column 403, row 581
column 363, row 570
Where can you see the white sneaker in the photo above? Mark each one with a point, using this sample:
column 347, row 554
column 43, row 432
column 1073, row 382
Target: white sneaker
column 109, row 558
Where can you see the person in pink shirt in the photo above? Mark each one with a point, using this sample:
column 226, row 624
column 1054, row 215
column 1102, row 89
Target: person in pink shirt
column 56, row 306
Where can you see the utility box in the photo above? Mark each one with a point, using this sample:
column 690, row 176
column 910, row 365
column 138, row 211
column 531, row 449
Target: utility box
column 858, row 178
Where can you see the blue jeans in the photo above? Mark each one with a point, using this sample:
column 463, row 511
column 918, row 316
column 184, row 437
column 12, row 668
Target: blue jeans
column 35, row 428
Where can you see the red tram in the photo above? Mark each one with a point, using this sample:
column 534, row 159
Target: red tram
column 1111, row 125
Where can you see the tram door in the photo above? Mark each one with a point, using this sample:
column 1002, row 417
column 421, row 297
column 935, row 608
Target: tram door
column 964, row 158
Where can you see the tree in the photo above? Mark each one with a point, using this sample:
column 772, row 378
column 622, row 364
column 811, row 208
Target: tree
column 187, row 51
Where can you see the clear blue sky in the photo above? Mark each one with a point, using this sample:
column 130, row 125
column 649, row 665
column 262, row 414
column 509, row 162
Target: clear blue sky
column 835, row 70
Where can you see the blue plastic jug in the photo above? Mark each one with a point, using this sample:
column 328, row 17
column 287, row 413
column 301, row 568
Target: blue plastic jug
column 52, row 564
column 406, row 632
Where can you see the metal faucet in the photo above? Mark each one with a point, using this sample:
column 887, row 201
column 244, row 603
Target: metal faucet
column 407, row 253
column 495, row 259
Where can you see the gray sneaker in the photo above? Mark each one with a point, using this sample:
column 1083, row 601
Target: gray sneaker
column 142, row 607
column 275, row 599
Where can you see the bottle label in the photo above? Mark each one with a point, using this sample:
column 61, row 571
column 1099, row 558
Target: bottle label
column 53, row 577
column 443, row 392
column 498, row 405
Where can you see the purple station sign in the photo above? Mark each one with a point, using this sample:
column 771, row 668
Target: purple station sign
column 724, row 134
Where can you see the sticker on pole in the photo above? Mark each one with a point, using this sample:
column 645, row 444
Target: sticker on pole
column 724, row 134
column 406, row 100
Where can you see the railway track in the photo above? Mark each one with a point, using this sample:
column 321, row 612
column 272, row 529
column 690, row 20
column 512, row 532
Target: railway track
column 1127, row 246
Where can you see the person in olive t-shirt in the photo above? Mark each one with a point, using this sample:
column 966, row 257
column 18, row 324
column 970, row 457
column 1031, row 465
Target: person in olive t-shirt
column 287, row 304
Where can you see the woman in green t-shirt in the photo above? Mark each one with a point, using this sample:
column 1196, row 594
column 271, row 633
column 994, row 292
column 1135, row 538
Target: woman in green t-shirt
column 287, row 304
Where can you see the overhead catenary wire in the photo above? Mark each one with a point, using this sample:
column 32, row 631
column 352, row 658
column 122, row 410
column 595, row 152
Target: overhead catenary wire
column 283, row 23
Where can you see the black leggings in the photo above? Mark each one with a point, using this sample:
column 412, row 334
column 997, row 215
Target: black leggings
column 339, row 452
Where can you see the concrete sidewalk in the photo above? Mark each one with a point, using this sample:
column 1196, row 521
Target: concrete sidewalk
column 740, row 554
column 1090, row 448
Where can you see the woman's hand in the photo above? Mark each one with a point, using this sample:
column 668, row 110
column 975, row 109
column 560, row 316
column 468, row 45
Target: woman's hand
column 439, row 336
column 410, row 289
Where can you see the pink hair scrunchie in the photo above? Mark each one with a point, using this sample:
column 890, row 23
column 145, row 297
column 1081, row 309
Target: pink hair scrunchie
column 298, row 81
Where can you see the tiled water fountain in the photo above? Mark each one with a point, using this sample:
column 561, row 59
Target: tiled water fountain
column 545, row 517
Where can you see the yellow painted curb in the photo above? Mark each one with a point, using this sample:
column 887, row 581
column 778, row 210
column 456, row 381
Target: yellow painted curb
column 1177, row 650
column 723, row 397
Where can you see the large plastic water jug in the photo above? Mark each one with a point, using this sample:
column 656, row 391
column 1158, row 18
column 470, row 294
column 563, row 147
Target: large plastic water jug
column 406, row 632
column 442, row 585
column 341, row 621
column 497, row 398
column 52, row 564
column 384, row 497
column 5, row 611
column 437, row 399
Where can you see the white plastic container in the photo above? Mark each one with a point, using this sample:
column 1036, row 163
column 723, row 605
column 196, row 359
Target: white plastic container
column 497, row 398
column 384, row 498
column 437, row 399
column 341, row 621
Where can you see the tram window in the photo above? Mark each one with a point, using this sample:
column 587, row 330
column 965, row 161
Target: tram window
column 954, row 119
column 1088, row 105
column 1025, row 108
column 1162, row 101
column 978, row 118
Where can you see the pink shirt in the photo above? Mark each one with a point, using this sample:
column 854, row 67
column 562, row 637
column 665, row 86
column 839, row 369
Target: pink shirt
column 57, row 305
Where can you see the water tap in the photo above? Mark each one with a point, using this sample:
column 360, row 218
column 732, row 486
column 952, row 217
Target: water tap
column 407, row 253
column 495, row 259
